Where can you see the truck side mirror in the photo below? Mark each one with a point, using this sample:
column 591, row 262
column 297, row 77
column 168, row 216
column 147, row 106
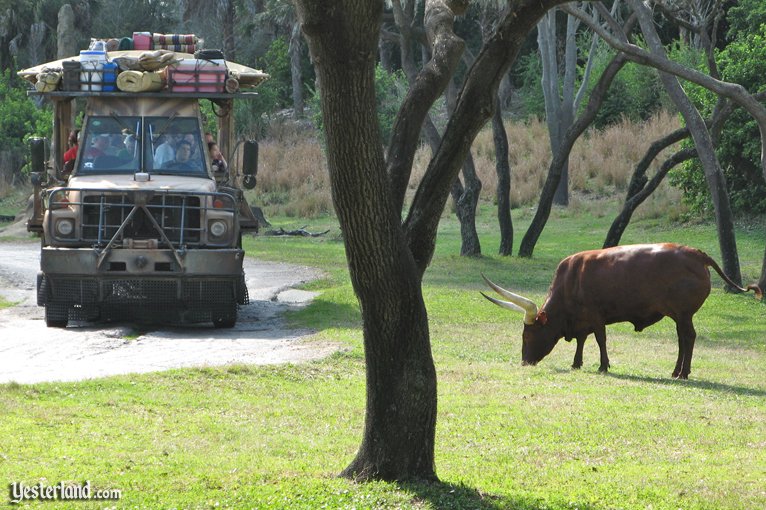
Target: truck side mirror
column 250, row 163
column 37, row 153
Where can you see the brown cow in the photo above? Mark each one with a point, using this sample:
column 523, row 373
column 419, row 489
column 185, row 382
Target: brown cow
column 639, row 284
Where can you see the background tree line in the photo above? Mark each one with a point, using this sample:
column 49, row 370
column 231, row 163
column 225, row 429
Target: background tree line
column 264, row 33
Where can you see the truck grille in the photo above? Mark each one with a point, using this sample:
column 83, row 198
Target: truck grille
column 161, row 216
column 177, row 215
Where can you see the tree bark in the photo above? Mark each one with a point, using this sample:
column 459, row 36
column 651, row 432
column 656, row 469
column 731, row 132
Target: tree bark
column 386, row 259
column 503, row 192
column 400, row 414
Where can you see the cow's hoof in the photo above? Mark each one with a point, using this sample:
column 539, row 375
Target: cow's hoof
column 603, row 370
column 680, row 376
column 576, row 367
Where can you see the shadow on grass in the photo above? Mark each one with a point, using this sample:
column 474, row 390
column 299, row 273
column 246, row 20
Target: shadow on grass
column 446, row 496
column 703, row 385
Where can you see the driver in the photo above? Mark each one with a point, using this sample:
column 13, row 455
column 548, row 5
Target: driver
column 181, row 161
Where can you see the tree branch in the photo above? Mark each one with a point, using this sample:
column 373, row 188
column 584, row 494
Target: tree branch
column 475, row 107
column 429, row 84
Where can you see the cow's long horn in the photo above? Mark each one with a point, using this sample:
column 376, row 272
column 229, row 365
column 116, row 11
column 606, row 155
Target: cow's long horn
column 519, row 303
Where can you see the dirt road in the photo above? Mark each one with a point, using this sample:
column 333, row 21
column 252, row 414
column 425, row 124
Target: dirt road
column 30, row 352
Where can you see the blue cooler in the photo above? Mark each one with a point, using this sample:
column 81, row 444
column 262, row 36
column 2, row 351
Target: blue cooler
column 109, row 77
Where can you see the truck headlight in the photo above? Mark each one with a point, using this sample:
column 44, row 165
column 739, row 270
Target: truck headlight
column 218, row 228
column 64, row 227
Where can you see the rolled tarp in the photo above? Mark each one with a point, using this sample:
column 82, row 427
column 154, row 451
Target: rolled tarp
column 139, row 81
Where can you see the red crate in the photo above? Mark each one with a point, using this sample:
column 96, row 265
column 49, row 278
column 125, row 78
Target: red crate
column 193, row 75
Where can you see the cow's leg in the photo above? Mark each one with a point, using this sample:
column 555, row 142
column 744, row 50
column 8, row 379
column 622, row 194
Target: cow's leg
column 681, row 351
column 686, row 337
column 578, row 353
column 601, row 340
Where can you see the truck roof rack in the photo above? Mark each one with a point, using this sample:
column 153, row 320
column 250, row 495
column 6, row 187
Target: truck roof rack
column 163, row 94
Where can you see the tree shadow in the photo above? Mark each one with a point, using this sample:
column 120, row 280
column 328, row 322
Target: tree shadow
column 447, row 496
column 703, row 385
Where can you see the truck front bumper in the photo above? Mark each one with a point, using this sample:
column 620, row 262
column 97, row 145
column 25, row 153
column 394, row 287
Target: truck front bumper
column 148, row 281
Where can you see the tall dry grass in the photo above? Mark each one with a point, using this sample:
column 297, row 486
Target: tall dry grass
column 293, row 179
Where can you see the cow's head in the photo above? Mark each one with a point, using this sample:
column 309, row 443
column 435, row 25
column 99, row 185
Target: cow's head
column 539, row 337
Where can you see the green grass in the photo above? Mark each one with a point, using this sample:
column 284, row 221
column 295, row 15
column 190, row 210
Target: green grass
column 507, row 436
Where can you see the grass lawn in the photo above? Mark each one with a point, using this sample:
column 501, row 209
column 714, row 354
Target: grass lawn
column 507, row 436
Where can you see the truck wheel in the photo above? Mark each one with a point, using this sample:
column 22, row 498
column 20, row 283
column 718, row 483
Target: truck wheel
column 56, row 315
column 225, row 320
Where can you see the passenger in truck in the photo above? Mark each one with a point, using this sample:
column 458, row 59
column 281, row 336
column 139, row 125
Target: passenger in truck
column 128, row 150
column 71, row 154
column 182, row 161
column 99, row 147
column 165, row 152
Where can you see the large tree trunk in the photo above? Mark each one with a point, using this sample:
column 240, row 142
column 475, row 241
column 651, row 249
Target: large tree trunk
column 503, row 193
column 387, row 259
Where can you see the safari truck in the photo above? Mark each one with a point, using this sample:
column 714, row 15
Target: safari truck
column 127, row 235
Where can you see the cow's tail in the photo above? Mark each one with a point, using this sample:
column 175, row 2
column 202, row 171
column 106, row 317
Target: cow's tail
column 712, row 263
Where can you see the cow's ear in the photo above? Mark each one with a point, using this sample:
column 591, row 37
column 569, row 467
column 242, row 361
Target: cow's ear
column 542, row 318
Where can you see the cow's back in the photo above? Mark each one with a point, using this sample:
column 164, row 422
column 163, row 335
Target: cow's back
column 634, row 283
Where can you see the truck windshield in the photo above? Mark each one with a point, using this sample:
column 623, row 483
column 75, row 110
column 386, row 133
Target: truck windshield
column 158, row 145
column 110, row 144
column 176, row 146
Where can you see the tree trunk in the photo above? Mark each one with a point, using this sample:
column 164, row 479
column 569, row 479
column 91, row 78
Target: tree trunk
column 632, row 202
column 400, row 414
column 554, row 107
column 466, row 198
column 503, row 169
column 386, row 259
column 67, row 37
column 295, row 50
column 705, row 150
column 535, row 229
column 229, row 42
column 762, row 279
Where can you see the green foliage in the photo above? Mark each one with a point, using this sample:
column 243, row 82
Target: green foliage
column 274, row 94
column 19, row 116
column 636, row 93
column 528, row 72
column 742, row 61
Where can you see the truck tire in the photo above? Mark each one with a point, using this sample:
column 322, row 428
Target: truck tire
column 56, row 315
column 225, row 320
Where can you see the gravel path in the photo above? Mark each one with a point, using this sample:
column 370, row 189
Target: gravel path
column 30, row 352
